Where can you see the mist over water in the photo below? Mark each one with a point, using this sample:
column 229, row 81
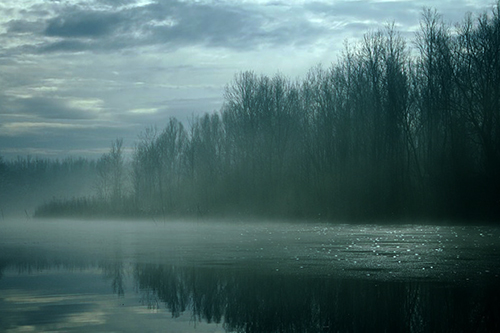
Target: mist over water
column 247, row 276
column 385, row 252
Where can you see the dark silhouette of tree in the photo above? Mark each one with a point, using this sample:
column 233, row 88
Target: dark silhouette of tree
column 392, row 129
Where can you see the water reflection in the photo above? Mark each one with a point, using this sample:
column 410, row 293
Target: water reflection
column 244, row 300
column 247, row 277
column 252, row 302
column 115, row 273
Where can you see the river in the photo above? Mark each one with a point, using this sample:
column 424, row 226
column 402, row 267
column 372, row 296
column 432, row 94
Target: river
column 247, row 276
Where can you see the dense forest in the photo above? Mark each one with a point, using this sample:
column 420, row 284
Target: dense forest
column 394, row 129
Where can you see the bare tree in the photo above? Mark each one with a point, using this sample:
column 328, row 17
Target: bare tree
column 111, row 173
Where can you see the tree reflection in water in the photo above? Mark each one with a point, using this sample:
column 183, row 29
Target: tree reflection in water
column 114, row 272
column 246, row 289
column 253, row 302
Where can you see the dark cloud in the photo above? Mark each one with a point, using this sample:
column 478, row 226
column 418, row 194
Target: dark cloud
column 174, row 24
column 88, row 24
column 209, row 25
column 46, row 108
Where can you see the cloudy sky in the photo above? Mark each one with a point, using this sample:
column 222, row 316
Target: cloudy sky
column 76, row 74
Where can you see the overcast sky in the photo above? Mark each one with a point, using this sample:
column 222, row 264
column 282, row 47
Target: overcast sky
column 75, row 75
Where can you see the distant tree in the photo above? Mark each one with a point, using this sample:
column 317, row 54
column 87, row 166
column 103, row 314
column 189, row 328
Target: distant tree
column 160, row 166
column 205, row 159
column 145, row 166
column 171, row 144
column 111, row 173
column 260, row 122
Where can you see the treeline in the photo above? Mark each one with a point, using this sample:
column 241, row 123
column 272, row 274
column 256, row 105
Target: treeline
column 27, row 182
column 393, row 129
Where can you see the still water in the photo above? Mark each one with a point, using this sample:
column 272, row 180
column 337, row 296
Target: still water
column 240, row 276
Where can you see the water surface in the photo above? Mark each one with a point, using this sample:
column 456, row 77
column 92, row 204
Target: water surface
column 218, row 276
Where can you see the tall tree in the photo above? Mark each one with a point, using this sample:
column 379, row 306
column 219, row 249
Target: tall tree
column 111, row 173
